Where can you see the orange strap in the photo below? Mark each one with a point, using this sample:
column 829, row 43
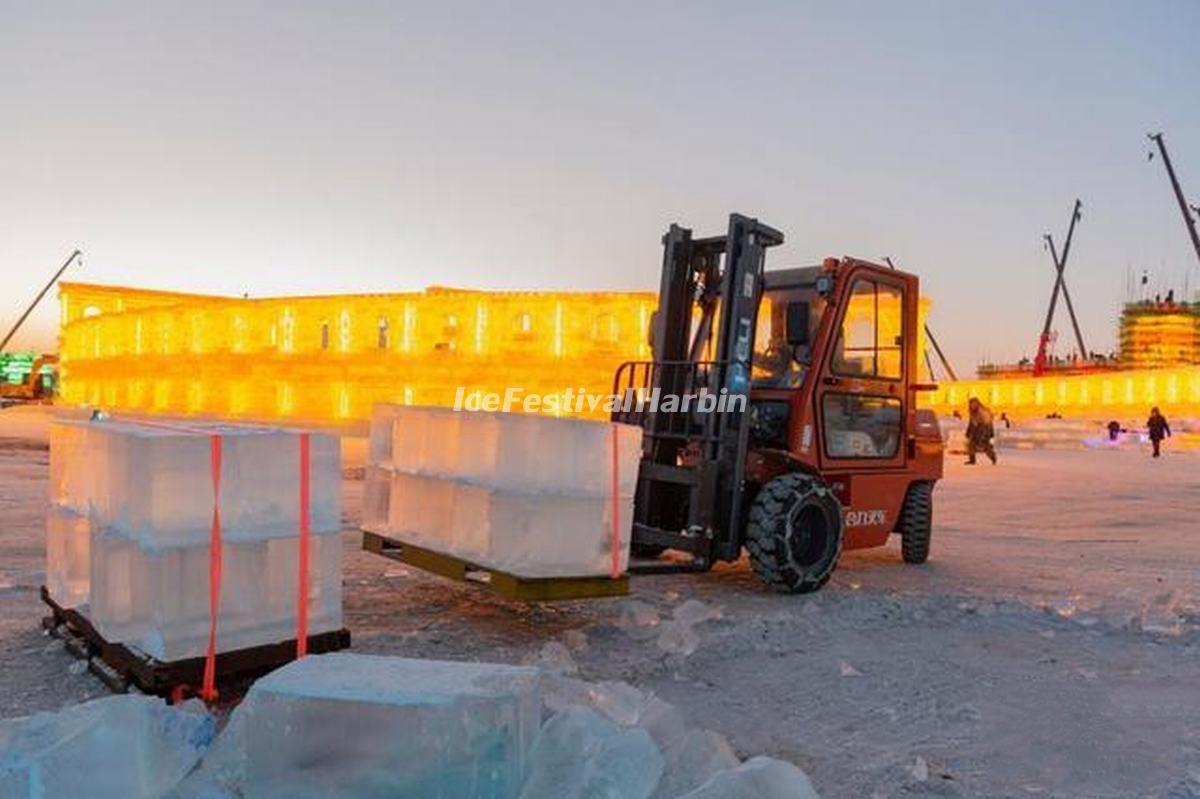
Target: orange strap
column 305, row 534
column 616, row 507
column 208, row 688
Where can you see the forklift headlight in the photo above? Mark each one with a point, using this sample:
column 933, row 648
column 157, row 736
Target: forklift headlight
column 769, row 424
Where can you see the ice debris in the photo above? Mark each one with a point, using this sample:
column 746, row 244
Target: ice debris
column 638, row 618
column 693, row 611
column 846, row 670
column 117, row 746
column 677, row 638
column 757, row 778
column 579, row 753
column 691, row 760
column 554, row 658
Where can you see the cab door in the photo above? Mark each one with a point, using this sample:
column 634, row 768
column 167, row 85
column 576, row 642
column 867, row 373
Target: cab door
column 862, row 403
column 861, row 398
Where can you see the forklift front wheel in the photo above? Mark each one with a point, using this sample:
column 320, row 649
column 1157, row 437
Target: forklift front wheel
column 794, row 533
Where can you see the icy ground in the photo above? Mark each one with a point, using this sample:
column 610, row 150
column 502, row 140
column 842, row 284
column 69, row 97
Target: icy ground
column 1050, row 648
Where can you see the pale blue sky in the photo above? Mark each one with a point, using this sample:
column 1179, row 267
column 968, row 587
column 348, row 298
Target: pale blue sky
column 278, row 148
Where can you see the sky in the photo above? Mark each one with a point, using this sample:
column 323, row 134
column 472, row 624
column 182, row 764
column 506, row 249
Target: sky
column 319, row 147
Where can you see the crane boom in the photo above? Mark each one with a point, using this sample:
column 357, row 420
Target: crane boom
column 38, row 299
column 1188, row 219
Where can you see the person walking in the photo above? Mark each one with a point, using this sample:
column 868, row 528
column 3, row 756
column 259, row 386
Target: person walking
column 1159, row 429
column 980, row 431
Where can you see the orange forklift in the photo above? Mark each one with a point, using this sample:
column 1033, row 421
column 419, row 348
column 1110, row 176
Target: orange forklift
column 815, row 443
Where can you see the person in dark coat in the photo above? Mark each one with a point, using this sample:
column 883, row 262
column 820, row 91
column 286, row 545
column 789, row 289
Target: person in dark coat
column 980, row 431
column 1158, row 427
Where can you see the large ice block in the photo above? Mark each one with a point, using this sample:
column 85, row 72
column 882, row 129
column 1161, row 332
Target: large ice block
column 526, row 452
column 154, row 481
column 528, row 534
column 68, row 556
column 529, row 494
column 157, row 598
column 370, row 726
column 118, row 746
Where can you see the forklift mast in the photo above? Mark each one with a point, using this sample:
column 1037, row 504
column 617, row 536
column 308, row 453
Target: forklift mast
column 689, row 494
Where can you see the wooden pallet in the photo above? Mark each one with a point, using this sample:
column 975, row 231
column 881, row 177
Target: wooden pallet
column 119, row 666
column 512, row 586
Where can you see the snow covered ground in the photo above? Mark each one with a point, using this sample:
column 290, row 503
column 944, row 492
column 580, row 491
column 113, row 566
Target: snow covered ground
column 1050, row 648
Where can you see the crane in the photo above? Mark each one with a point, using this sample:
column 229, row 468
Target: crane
column 1188, row 219
column 12, row 332
column 1060, row 264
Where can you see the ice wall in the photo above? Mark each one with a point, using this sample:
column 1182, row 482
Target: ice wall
column 532, row 495
column 128, row 532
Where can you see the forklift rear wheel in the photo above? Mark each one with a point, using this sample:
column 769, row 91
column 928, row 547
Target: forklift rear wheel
column 794, row 533
column 916, row 522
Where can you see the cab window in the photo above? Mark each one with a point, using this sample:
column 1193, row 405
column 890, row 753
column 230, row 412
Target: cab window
column 858, row 426
column 870, row 342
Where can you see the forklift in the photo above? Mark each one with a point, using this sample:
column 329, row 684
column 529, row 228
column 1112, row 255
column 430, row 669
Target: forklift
column 778, row 413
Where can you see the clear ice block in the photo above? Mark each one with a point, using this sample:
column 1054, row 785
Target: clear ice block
column 155, row 481
column 535, row 535
column 370, row 726
column 526, row 452
column 68, row 556
column 157, row 598
column 118, row 746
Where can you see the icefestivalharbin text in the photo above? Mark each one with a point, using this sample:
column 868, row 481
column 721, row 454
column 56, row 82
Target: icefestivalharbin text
column 577, row 401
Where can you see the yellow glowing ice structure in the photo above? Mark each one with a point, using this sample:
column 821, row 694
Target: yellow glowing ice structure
column 330, row 358
column 1159, row 365
column 1101, row 395
column 1157, row 335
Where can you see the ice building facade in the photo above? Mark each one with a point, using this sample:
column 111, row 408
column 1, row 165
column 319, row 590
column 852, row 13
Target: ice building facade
column 329, row 359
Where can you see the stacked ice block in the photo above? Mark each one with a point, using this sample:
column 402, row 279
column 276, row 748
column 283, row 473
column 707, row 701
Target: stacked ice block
column 132, row 508
column 369, row 726
column 531, row 495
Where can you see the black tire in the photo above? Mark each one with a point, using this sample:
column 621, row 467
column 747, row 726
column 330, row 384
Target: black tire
column 795, row 533
column 916, row 523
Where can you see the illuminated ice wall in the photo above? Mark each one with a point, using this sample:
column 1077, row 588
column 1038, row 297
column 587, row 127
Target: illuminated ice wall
column 329, row 359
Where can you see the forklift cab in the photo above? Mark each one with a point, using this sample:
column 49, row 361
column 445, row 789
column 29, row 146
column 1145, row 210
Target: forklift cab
column 827, row 450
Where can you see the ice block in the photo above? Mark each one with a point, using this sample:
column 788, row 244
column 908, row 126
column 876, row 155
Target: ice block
column 526, row 452
column 534, row 535
column 154, row 481
column 370, row 726
column 528, row 494
column 130, row 526
column 157, row 598
column 68, row 556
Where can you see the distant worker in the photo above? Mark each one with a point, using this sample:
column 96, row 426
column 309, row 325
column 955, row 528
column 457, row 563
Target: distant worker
column 980, row 431
column 1114, row 430
column 1004, row 418
column 1158, row 427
